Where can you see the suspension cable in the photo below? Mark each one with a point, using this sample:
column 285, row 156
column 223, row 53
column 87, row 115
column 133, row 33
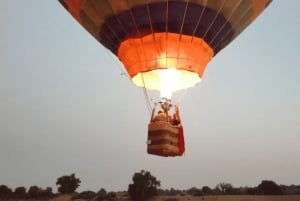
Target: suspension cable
column 132, row 46
column 142, row 75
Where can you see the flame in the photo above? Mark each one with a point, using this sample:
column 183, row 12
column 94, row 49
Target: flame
column 169, row 81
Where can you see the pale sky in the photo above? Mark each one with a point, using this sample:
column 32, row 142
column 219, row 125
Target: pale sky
column 65, row 107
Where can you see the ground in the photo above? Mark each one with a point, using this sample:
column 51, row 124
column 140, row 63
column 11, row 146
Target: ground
column 205, row 198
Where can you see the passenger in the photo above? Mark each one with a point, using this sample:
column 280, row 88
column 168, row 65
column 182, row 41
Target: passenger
column 175, row 120
column 176, row 117
column 170, row 119
column 161, row 116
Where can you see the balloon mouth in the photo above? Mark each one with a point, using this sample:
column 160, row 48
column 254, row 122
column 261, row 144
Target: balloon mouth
column 165, row 61
column 166, row 81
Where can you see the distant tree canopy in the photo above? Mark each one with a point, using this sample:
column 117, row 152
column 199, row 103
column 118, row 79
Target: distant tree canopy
column 224, row 188
column 101, row 194
column 5, row 191
column 33, row 191
column 67, row 184
column 85, row 195
column 267, row 187
column 206, row 190
column 37, row 192
column 194, row 191
column 144, row 186
column 20, row 192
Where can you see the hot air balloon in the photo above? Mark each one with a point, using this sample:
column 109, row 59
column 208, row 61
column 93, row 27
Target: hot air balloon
column 165, row 45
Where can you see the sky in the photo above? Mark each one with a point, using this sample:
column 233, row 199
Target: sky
column 65, row 106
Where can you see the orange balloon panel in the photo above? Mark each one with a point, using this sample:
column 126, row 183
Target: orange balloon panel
column 144, row 56
column 74, row 8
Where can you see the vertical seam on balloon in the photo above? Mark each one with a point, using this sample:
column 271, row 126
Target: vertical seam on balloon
column 183, row 19
column 232, row 29
column 196, row 27
column 149, row 18
column 141, row 39
column 227, row 21
column 213, row 21
column 167, row 21
column 199, row 19
column 114, row 45
column 145, row 92
column 193, row 35
column 119, row 21
column 181, row 28
column 151, row 26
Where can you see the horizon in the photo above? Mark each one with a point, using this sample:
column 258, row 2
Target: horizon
column 215, row 187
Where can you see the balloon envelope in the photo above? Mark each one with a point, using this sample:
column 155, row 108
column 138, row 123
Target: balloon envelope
column 153, row 38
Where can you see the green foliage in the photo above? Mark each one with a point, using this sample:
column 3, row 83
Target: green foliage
column 144, row 186
column 67, row 184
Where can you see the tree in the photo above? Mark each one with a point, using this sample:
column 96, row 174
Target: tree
column 68, row 184
column 20, row 192
column 37, row 192
column 269, row 188
column 194, row 191
column 144, row 186
column 46, row 193
column 101, row 194
column 173, row 192
column 224, row 188
column 111, row 196
column 85, row 195
column 34, row 191
column 5, row 191
column 206, row 190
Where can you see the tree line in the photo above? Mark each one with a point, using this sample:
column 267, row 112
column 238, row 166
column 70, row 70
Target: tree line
column 144, row 185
